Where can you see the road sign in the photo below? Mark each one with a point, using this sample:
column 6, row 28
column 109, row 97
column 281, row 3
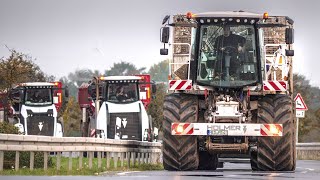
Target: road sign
column 300, row 105
column 300, row 113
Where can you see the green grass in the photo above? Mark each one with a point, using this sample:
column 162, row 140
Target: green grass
column 85, row 168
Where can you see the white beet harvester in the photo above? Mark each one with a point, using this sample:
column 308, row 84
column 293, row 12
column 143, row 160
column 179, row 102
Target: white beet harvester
column 106, row 115
column 225, row 99
column 35, row 108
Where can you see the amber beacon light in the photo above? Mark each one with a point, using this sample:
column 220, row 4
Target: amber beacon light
column 189, row 15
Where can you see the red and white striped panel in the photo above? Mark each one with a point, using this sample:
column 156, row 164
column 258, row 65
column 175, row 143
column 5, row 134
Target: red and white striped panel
column 92, row 132
column 187, row 128
column 180, row 84
column 275, row 85
column 271, row 130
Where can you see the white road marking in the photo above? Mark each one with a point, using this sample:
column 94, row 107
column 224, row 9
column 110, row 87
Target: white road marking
column 275, row 174
column 125, row 173
column 310, row 169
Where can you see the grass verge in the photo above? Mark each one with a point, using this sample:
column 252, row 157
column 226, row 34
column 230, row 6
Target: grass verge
column 85, row 168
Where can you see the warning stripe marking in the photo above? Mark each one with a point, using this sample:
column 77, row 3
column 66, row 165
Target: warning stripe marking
column 265, row 130
column 187, row 128
column 180, row 84
column 275, row 85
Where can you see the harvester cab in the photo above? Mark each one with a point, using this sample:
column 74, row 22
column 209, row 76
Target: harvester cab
column 228, row 76
column 35, row 107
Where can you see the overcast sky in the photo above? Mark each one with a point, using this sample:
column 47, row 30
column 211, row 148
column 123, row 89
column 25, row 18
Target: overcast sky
column 65, row 35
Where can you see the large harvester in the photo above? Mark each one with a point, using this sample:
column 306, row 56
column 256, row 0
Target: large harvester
column 231, row 85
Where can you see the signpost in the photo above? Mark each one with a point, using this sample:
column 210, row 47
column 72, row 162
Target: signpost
column 301, row 107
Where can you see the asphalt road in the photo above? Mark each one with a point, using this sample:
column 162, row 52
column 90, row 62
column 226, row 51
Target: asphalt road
column 307, row 170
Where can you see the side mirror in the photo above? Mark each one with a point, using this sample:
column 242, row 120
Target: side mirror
column 163, row 51
column 102, row 90
column 66, row 92
column 92, row 91
column 165, row 19
column 289, row 35
column 154, row 88
column 21, row 95
column 165, row 33
column 289, row 52
column 89, row 89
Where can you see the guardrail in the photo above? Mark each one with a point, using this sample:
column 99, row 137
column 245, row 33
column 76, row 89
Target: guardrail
column 133, row 151
column 117, row 150
column 308, row 151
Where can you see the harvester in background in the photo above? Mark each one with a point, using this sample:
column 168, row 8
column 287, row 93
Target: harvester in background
column 114, row 107
column 33, row 107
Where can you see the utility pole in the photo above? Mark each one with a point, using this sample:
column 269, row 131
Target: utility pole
column 297, row 136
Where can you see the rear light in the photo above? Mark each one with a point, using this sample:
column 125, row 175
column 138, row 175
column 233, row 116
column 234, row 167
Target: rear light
column 182, row 129
column 179, row 129
column 274, row 129
column 271, row 130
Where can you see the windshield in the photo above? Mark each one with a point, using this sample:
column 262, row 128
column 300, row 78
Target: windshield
column 122, row 92
column 227, row 55
column 38, row 96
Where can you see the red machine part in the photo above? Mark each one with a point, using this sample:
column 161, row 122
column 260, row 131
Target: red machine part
column 4, row 105
column 145, row 89
column 57, row 92
column 83, row 97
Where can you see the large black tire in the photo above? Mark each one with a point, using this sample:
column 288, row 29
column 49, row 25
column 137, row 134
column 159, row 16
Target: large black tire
column 208, row 161
column 180, row 152
column 276, row 153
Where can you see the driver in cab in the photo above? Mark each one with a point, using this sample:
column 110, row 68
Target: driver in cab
column 229, row 44
column 121, row 95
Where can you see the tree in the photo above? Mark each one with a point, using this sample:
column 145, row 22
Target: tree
column 75, row 79
column 124, row 69
column 159, row 72
column 72, row 118
column 155, row 109
column 309, row 125
column 19, row 68
column 82, row 75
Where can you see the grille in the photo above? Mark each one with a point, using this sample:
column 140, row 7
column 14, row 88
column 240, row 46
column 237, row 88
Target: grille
column 36, row 121
column 132, row 130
